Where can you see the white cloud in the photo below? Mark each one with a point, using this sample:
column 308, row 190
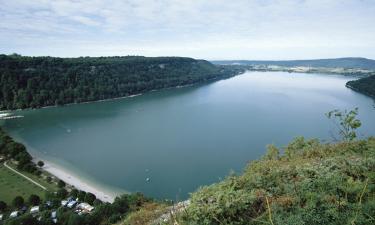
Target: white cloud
column 203, row 29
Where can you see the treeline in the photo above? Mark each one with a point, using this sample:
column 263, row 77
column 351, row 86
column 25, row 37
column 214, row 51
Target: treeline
column 364, row 85
column 11, row 149
column 32, row 82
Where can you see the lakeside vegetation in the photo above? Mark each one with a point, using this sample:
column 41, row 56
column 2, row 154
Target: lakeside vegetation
column 32, row 82
column 364, row 85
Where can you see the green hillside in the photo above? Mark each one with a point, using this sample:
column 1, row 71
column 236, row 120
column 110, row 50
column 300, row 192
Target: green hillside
column 31, row 82
column 364, row 85
column 311, row 183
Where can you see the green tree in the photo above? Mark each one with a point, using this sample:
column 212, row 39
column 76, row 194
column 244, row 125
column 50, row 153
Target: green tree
column 90, row 198
column 18, row 202
column 3, row 206
column 40, row 163
column 62, row 193
column 61, row 184
column 346, row 123
column 34, row 200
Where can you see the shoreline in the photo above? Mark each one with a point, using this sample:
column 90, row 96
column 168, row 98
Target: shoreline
column 75, row 181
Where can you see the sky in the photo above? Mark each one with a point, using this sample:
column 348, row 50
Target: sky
column 211, row 29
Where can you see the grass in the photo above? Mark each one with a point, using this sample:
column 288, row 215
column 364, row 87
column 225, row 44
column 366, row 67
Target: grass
column 12, row 185
column 146, row 215
column 52, row 187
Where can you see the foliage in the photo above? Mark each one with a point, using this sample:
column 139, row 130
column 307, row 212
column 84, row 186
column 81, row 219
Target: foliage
column 364, row 85
column 31, row 82
column 346, row 123
column 18, row 202
column 17, row 151
column 3, row 206
column 34, row 199
column 311, row 183
column 61, row 184
column 40, row 163
column 90, row 198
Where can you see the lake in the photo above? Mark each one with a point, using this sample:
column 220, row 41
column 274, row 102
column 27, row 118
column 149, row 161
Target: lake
column 168, row 143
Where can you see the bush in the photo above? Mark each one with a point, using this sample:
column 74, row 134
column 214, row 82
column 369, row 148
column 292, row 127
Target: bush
column 312, row 183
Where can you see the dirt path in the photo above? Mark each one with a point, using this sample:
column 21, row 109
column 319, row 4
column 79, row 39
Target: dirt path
column 27, row 178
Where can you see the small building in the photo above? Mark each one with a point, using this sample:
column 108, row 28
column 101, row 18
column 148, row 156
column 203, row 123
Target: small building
column 34, row 210
column 53, row 214
column 85, row 207
column 64, row 203
column 71, row 204
column 14, row 214
column 48, row 203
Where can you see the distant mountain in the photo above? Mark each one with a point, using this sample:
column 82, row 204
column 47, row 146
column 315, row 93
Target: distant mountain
column 350, row 62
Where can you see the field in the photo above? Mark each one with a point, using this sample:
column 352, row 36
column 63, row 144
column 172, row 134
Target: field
column 12, row 185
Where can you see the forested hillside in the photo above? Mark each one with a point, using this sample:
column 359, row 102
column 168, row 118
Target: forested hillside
column 31, row 82
column 364, row 85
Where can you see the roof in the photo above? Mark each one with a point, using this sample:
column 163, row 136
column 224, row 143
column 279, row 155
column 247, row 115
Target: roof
column 34, row 209
column 71, row 204
column 14, row 214
column 85, row 206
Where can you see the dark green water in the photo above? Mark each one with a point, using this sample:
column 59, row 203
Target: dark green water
column 187, row 137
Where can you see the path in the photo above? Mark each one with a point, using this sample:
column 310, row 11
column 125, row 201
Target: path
column 27, row 178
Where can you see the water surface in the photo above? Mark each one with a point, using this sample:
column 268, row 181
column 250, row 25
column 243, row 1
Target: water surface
column 183, row 138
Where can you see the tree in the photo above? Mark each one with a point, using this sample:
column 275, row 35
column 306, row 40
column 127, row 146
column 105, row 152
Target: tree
column 49, row 179
column 62, row 193
column 40, row 164
column 3, row 206
column 273, row 152
column 81, row 195
column 18, row 202
column 90, row 198
column 61, row 184
column 34, row 200
column 74, row 193
column 346, row 123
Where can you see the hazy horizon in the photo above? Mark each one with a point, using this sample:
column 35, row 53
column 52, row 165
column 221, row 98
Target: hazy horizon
column 211, row 30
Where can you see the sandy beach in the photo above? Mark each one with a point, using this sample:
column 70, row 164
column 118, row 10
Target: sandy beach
column 80, row 184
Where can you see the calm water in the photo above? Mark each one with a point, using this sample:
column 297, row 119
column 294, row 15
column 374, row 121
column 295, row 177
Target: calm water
column 187, row 137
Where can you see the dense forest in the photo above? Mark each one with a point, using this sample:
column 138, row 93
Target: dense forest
column 32, row 82
column 350, row 62
column 364, row 85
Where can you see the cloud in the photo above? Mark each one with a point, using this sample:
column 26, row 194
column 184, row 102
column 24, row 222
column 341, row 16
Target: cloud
column 197, row 28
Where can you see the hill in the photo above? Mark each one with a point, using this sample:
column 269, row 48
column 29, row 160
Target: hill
column 31, row 82
column 348, row 63
column 364, row 85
